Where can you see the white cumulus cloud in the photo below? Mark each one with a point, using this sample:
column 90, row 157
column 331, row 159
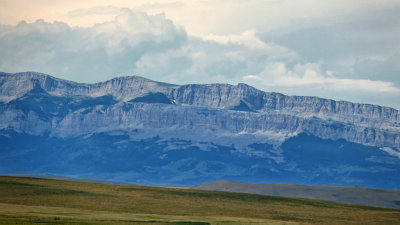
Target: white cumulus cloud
column 87, row 54
column 312, row 76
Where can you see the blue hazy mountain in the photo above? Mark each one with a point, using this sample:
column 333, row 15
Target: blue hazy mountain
column 132, row 129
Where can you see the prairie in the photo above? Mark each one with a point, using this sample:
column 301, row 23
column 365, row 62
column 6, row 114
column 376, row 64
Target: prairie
column 26, row 200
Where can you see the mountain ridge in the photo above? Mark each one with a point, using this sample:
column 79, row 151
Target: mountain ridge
column 225, row 96
column 48, row 80
column 189, row 134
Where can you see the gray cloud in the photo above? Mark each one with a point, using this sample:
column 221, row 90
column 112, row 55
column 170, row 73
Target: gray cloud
column 378, row 68
column 87, row 54
column 364, row 45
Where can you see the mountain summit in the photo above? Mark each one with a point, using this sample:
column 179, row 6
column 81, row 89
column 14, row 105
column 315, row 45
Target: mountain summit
column 138, row 130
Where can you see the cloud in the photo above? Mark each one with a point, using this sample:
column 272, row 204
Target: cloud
column 87, row 54
column 136, row 43
column 247, row 38
column 311, row 80
column 159, row 5
column 312, row 76
column 361, row 45
column 213, row 58
column 378, row 66
column 98, row 10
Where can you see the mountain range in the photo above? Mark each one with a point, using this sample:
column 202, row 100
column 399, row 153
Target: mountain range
column 132, row 129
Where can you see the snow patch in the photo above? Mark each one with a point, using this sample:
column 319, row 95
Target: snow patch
column 391, row 151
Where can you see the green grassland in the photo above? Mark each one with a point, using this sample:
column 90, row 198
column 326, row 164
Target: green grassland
column 41, row 201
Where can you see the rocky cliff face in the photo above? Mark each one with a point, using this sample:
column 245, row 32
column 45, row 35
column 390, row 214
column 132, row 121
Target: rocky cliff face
column 220, row 107
column 211, row 118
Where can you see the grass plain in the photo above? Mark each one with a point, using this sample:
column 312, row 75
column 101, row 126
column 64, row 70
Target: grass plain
column 26, row 200
column 353, row 195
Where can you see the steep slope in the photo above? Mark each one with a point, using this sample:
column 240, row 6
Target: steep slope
column 169, row 134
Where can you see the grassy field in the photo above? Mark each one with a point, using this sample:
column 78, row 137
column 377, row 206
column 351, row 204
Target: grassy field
column 41, row 201
column 353, row 195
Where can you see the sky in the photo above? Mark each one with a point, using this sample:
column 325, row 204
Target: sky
column 342, row 50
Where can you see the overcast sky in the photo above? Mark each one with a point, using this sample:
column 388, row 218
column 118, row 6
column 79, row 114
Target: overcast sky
column 343, row 50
